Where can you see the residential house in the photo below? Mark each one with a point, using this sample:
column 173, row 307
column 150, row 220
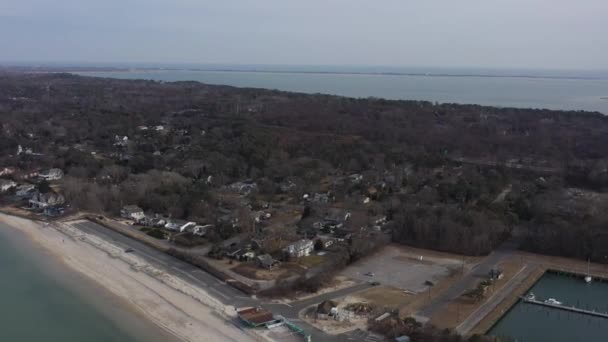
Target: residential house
column 245, row 255
column 326, row 309
column 6, row 185
column 327, row 241
column 53, row 211
column 132, row 212
column 42, row 200
column 202, row 230
column 245, row 187
column 179, row 225
column 233, row 251
column 51, row 174
column 121, row 141
column 266, row 261
column 320, row 198
column 153, row 220
column 25, row 190
column 300, row 248
column 356, row 178
column 7, row 171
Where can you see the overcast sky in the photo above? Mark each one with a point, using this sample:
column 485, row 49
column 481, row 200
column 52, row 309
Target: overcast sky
column 570, row 34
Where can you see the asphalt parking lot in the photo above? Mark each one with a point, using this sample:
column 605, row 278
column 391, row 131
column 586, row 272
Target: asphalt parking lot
column 395, row 266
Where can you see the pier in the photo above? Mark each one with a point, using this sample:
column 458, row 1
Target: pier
column 566, row 308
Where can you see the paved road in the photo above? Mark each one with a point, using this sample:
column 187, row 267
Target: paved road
column 225, row 293
column 469, row 280
column 470, row 322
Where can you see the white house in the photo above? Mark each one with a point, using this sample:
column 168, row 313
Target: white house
column 179, row 225
column 300, row 248
column 51, row 174
column 132, row 212
column 6, row 185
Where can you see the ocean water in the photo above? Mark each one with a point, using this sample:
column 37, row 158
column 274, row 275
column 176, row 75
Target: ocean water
column 42, row 300
column 523, row 89
column 533, row 323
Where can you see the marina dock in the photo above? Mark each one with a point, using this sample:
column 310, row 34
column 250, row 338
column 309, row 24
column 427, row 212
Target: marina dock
column 566, row 308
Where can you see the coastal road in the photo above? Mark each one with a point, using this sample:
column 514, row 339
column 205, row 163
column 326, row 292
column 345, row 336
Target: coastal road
column 469, row 280
column 470, row 322
column 222, row 291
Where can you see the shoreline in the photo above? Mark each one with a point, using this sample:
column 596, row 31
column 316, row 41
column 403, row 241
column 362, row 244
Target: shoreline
column 180, row 309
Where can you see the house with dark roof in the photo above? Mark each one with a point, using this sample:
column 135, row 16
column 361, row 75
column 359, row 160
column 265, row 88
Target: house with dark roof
column 266, row 261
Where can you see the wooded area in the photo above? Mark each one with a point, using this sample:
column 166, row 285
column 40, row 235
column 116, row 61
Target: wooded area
column 458, row 178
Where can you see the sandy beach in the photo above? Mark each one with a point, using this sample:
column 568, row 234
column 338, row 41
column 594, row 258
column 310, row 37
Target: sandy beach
column 182, row 309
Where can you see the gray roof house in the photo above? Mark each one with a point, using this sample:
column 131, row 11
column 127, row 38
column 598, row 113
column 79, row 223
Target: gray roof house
column 266, row 261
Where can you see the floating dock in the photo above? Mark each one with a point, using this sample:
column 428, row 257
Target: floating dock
column 566, row 308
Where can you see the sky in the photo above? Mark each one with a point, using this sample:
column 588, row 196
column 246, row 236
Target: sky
column 555, row 34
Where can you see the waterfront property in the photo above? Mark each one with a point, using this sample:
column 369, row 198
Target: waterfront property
column 527, row 321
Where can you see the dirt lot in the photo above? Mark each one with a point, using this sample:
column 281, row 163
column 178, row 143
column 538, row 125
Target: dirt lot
column 252, row 271
column 405, row 268
column 348, row 322
column 386, row 297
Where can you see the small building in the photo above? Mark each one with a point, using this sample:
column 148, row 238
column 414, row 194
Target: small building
column 300, row 248
column 266, row 261
column 51, row 174
column 42, row 200
column 256, row 317
column 6, row 185
column 132, row 212
column 326, row 309
column 495, row 274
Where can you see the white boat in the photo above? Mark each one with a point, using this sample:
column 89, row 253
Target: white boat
column 553, row 301
column 530, row 296
column 588, row 278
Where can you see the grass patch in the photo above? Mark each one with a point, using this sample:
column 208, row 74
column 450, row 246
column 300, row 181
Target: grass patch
column 311, row 261
column 157, row 233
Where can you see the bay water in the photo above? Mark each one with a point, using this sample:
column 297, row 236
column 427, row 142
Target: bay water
column 527, row 322
column 42, row 300
column 526, row 89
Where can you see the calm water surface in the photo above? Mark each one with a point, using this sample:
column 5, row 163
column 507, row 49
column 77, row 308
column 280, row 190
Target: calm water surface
column 525, row 92
column 532, row 323
column 41, row 300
